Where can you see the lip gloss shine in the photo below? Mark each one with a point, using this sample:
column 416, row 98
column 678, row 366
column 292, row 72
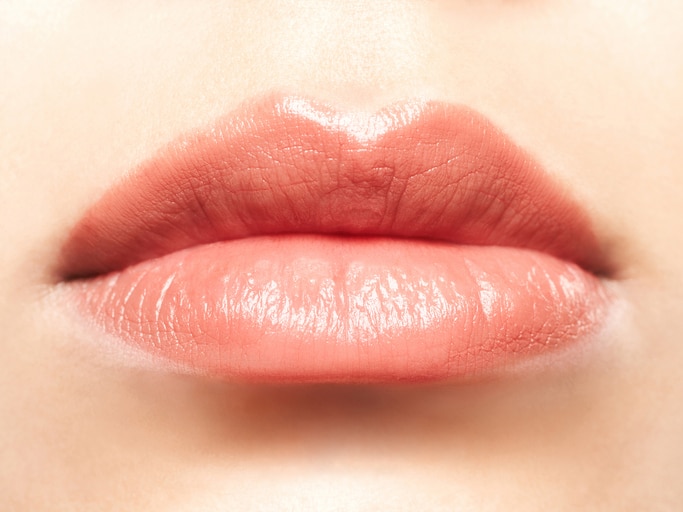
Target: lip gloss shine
column 291, row 242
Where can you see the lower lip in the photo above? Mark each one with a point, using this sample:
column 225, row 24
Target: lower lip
column 310, row 308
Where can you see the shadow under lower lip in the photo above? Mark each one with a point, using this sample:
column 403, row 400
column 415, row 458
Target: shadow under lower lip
column 330, row 309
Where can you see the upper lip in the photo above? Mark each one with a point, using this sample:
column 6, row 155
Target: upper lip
column 288, row 165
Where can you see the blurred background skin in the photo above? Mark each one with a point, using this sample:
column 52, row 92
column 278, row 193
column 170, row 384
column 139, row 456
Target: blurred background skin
column 593, row 89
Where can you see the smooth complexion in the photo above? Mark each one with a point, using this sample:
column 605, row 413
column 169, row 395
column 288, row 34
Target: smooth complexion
column 90, row 91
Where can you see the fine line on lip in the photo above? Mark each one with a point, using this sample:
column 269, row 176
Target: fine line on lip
column 224, row 252
column 289, row 165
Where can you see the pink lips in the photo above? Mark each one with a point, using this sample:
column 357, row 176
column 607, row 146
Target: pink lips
column 291, row 242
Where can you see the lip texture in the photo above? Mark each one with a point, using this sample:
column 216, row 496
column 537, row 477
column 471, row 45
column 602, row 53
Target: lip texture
column 292, row 242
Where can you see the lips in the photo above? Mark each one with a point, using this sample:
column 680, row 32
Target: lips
column 292, row 242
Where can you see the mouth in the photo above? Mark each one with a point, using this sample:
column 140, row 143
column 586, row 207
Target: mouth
column 291, row 242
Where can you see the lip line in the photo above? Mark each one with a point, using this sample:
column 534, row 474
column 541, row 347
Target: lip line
column 364, row 131
column 315, row 308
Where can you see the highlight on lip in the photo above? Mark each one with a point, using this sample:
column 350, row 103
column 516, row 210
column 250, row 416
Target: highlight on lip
column 292, row 242
column 347, row 309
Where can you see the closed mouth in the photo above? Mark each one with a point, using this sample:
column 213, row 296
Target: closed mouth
column 292, row 242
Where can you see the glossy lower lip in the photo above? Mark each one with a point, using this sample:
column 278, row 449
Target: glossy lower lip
column 291, row 242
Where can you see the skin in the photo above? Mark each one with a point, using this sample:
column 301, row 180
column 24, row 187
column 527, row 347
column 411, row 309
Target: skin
column 592, row 89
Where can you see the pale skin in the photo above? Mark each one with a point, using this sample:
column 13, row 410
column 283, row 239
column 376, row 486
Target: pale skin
column 593, row 89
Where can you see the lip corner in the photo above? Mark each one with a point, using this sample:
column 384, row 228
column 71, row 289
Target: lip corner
column 445, row 173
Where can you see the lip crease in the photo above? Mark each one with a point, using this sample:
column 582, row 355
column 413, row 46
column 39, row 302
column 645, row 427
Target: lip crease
column 292, row 242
